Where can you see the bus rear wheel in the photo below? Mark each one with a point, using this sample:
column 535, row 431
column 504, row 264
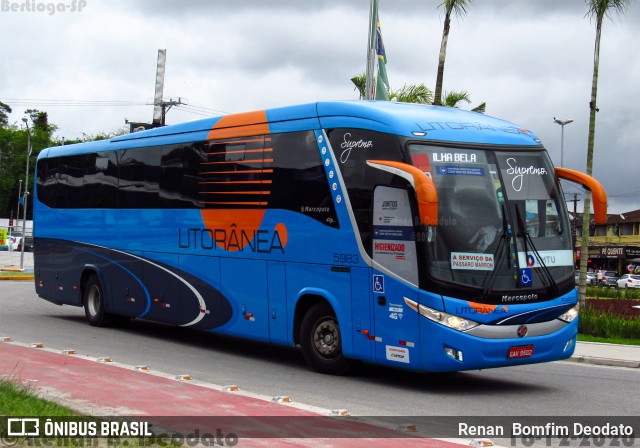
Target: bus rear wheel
column 321, row 341
column 93, row 300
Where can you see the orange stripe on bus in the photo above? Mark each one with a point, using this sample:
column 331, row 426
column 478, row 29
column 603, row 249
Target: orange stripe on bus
column 246, row 124
column 240, row 151
column 248, row 140
column 228, row 219
column 232, row 182
column 235, row 203
column 268, row 170
column 239, row 161
column 235, row 192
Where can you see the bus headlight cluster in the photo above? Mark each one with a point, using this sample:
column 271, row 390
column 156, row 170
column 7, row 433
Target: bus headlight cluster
column 571, row 314
column 446, row 319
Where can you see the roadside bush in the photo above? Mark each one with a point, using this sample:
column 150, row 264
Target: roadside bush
column 613, row 293
column 604, row 324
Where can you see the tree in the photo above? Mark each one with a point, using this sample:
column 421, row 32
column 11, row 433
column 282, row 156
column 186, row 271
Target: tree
column 13, row 156
column 360, row 82
column 598, row 10
column 459, row 8
column 40, row 121
column 5, row 110
column 412, row 93
column 453, row 99
column 421, row 94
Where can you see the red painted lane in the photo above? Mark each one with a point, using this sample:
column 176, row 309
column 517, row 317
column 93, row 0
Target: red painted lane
column 131, row 393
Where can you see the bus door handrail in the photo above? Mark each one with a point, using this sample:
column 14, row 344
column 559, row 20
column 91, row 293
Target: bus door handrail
column 599, row 195
column 425, row 189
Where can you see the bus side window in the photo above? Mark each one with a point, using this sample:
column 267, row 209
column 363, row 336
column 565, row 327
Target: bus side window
column 299, row 180
column 139, row 174
column 180, row 176
column 236, row 173
column 48, row 181
column 100, row 181
column 353, row 147
column 71, row 180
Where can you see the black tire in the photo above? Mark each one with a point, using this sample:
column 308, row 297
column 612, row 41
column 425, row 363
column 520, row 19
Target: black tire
column 321, row 341
column 93, row 300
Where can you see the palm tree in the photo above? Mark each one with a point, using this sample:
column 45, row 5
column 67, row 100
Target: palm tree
column 412, row 93
column 598, row 10
column 459, row 8
column 453, row 99
column 360, row 82
column 421, row 94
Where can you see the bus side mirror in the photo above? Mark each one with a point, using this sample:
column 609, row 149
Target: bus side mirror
column 599, row 196
column 426, row 193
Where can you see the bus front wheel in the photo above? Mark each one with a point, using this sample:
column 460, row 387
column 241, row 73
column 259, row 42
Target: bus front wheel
column 321, row 341
column 93, row 300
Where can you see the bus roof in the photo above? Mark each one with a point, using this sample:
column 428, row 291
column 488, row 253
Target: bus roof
column 425, row 122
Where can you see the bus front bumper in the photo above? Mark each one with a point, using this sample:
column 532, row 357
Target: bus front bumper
column 447, row 350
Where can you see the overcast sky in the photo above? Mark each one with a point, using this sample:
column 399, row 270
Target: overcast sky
column 530, row 60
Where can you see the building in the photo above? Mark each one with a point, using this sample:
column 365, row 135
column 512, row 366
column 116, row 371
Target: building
column 612, row 246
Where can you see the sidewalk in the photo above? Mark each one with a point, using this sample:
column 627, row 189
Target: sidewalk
column 101, row 387
column 10, row 266
column 178, row 403
column 615, row 355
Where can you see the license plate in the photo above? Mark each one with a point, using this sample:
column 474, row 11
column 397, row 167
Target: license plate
column 523, row 351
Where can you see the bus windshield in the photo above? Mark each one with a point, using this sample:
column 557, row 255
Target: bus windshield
column 502, row 232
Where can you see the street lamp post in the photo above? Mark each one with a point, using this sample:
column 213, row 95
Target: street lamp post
column 562, row 123
column 26, row 193
column 15, row 226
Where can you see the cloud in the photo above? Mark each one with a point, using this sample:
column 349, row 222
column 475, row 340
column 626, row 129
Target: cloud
column 530, row 61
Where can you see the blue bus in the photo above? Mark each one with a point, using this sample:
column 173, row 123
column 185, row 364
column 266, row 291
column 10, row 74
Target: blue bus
column 421, row 237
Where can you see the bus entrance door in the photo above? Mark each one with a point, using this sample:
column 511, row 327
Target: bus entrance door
column 395, row 271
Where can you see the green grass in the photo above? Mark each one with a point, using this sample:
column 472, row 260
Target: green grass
column 613, row 293
column 602, row 325
column 20, row 401
column 589, row 338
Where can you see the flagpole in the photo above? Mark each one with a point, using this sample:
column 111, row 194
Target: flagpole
column 371, row 52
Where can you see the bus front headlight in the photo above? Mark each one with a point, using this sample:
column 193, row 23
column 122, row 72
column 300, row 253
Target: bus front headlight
column 571, row 314
column 446, row 319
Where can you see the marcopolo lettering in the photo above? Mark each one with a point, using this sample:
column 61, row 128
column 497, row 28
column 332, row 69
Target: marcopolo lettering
column 519, row 298
column 234, row 240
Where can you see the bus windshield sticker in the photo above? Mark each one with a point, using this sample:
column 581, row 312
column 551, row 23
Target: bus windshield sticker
column 551, row 258
column 460, row 170
column 472, row 261
column 525, row 177
column 393, row 233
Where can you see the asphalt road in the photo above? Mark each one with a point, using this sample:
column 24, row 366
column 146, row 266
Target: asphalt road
column 553, row 389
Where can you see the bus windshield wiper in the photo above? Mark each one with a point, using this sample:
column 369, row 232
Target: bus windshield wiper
column 505, row 240
column 526, row 238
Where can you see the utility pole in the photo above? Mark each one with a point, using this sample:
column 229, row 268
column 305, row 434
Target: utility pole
column 166, row 105
column 573, row 222
column 161, row 107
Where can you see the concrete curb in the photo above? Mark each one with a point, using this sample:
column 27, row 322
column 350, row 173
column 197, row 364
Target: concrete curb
column 15, row 273
column 605, row 361
column 16, row 277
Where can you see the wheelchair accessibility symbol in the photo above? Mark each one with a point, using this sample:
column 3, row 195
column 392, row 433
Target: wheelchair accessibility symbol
column 378, row 283
column 525, row 277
